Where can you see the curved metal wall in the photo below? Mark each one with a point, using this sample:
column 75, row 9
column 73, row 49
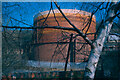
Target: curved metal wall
column 48, row 49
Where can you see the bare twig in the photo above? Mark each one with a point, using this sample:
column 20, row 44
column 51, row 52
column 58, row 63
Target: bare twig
column 77, row 30
column 90, row 20
column 111, row 18
column 47, row 15
column 105, row 6
column 20, row 21
column 85, row 26
column 54, row 15
column 60, row 51
column 97, row 8
column 89, row 23
column 118, row 16
column 37, row 27
column 81, row 47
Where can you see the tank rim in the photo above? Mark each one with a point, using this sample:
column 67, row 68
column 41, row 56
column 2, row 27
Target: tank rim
column 75, row 11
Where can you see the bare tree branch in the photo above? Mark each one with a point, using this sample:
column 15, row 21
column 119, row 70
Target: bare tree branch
column 37, row 27
column 99, row 42
column 97, row 8
column 118, row 16
column 54, row 15
column 47, row 15
column 77, row 30
column 89, row 23
column 20, row 21
column 110, row 19
column 81, row 48
column 105, row 6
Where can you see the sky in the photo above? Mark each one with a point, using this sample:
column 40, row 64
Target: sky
column 24, row 11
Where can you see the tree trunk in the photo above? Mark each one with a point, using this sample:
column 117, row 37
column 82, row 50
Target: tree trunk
column 98, row 44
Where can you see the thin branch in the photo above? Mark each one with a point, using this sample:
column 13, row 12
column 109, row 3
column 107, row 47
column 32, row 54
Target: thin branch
column 13, row 30
column 20, row 21
column 85, row 25
column 111, row 18
column 89, row 23
column 47, row 15
column 118, row 16
column 91, row 18
column 60, row 51
column 105, row 6
column 93, row 5
column 97, row 8
column 54, row 15
column 40, row 19
column 64, row 36
column 37, row 27
column 55, row 27
column 77, row 30
column 115, row 34
column 54, row 53
column 81, row 47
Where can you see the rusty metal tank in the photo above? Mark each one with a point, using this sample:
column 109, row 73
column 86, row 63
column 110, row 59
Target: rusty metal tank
column 47, row 40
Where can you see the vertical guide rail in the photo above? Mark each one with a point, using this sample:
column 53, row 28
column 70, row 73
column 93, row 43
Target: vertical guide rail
column 68, row 52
